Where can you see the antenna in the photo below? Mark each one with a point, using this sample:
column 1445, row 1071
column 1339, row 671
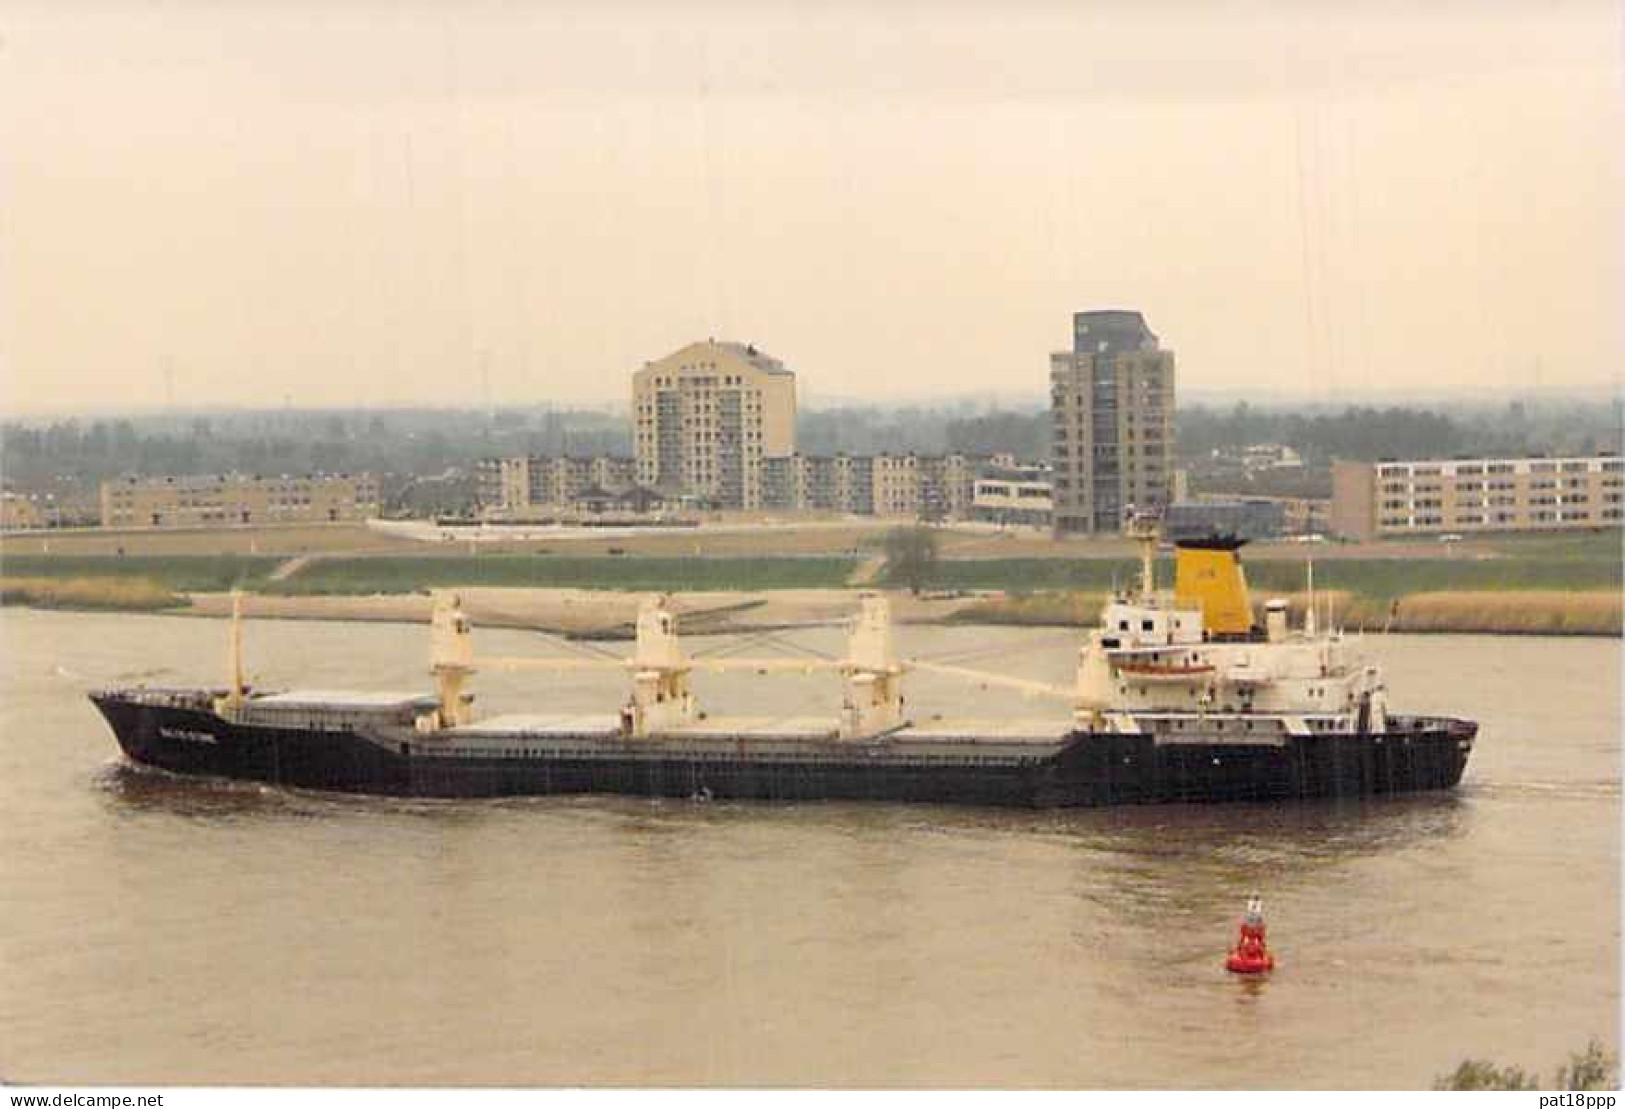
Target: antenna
column 1309, row 616
column 1142, row 527
column 234, row 651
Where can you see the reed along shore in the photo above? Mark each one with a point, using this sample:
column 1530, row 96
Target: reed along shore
column 1509, row 612
column 609, row 613
column 90, row 594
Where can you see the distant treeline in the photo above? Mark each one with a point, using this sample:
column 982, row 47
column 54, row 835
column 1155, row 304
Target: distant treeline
column 922, row 431
column 1023, row 434
column 1352, row 433
column 1373, row 433
column 871, row 431
column 427, row 443
column 398, row 442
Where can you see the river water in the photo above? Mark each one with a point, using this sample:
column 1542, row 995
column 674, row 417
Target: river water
column 159, row 930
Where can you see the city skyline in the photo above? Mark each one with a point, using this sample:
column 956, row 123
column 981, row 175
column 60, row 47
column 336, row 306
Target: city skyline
column 253, row 207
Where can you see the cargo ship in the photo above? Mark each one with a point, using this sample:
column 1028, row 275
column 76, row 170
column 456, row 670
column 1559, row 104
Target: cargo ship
column 1179, row 696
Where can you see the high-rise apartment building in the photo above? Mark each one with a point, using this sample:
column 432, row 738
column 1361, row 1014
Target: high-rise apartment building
column 1112, row 434
column 704, row 418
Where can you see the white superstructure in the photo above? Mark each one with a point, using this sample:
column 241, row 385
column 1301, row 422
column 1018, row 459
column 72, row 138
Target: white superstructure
column 1188, row 666
column 1197, row 656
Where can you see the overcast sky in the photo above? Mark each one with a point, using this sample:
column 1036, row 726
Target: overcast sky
column 259, row 202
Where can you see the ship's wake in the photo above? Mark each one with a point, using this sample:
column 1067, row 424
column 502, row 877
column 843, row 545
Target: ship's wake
column 1593, row 789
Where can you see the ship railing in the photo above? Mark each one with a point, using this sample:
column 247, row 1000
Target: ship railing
column 1420, row 723
column 310, row 719
column 199, row 699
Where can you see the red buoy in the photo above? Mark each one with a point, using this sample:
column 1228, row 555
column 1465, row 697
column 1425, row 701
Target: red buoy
column 1251, row 955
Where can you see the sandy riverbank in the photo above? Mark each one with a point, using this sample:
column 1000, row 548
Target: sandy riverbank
column 587, row 612
column 583, row 612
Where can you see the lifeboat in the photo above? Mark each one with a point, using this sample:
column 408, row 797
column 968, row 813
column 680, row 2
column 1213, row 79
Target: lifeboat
column 1165, row 672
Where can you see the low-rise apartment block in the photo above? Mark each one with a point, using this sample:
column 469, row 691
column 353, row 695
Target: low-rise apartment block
column 18, row 513
column 930, row 487
column 219, row 499
column 518, row 487
column 897, row 486
column 917, row 486
column 1375, row 500
column 1015, row 496
column 819, row 483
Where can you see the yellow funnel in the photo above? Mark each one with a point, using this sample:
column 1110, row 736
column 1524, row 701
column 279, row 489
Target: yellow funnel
column 1208, row 577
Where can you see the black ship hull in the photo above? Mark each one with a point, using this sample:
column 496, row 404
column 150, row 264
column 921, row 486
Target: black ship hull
column 1085, row 769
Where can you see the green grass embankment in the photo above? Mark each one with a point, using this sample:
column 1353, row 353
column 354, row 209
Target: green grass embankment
column 352, row 576
column 1390, row 578
column 1377, row 578
column 177, row 573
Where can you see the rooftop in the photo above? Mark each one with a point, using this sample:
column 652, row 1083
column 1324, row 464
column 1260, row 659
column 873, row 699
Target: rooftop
column 1111, row 331
column 745, row 352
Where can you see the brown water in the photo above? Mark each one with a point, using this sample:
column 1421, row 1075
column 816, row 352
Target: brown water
column 159, row 930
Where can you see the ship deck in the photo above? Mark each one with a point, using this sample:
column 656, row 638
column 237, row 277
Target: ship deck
column 804, row 729
column 543, row 725
column 988, row 730
column 344, row 700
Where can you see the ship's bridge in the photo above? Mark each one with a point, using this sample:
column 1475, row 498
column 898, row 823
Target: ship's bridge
column 1142, row 624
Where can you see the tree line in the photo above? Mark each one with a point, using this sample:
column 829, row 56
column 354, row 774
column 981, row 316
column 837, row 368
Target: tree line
column 429, row 442
column 403, row 442
column 1369, row 433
